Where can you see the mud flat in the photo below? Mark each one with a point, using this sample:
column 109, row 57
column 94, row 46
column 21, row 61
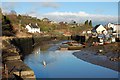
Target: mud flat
column 91, row 54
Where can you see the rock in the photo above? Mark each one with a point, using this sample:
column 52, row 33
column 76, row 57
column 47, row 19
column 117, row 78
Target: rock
column 12, row 58
column 24, row 73
column 15, row 66
column 20, row 69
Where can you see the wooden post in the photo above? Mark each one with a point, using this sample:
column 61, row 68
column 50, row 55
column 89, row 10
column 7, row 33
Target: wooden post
column 6, row 71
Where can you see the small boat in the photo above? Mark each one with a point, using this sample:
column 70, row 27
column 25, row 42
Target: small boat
column 75, row 47
column 63, row 47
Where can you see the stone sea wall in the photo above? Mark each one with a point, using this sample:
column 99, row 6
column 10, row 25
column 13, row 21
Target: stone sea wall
column 14, row 67
column 15, row 49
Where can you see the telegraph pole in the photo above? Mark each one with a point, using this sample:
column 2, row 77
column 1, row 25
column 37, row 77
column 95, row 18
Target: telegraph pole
column 117, row 30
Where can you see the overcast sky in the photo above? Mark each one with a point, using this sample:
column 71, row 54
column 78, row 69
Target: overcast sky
column 98, row 12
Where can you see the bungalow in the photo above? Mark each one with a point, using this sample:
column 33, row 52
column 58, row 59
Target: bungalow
column 99, row 29
column 32, row 28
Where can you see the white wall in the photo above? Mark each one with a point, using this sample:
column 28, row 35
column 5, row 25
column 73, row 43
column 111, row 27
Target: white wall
column 100, row 29
column 114, row 26
column 32, row 30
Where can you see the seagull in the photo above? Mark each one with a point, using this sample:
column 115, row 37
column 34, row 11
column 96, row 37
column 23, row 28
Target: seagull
column 44, row 63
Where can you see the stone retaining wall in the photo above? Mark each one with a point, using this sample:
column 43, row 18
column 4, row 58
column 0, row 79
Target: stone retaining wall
column 15, row 66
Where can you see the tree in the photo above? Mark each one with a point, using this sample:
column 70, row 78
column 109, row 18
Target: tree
column 73, row 22
column 90, row 23
column 19, row 16
column 7, row 28
column 86, row 23
column 13, row 12
column 0, row 10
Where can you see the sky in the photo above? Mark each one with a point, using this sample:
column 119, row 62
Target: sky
column 98, row 12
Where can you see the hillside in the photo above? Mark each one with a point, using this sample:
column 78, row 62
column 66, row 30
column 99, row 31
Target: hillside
column 14, row 24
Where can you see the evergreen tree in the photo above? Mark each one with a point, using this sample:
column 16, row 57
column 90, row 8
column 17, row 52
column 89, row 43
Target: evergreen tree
column 90, row 23
column 86, row 23
column 13, row 12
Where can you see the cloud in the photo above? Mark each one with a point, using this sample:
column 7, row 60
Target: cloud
column 60, row 16
column 50, row 4
column 80, row 17
column 67, row 14
column 33, row 13
column 8, row 6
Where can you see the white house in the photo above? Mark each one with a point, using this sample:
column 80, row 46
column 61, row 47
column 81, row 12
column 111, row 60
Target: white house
column 116, row 27
column 84, row 32
column 99, row 29
column 33, row 28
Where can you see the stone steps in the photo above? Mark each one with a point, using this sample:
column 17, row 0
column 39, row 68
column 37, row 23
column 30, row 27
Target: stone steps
column 12, row 58
column 14, row 64
column 20, row 69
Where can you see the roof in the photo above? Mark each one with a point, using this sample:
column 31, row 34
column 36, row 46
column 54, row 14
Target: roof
column 96, row 26
column 116, row 24
column 94, row 29
column 33, row 26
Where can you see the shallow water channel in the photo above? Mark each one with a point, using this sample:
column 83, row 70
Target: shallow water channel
column 63, row 64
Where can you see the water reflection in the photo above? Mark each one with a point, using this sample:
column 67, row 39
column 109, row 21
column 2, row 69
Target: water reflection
column 36, row 50
column 62, row 64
